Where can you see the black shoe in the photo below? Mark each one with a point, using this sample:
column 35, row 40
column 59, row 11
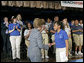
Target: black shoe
column 28, row 59
column 17, row 60
column 14, row 60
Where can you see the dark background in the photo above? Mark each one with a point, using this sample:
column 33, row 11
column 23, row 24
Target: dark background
column 31, row 13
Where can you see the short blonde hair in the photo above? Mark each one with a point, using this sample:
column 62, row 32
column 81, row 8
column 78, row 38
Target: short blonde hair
column 42, row 21
column 37, row 23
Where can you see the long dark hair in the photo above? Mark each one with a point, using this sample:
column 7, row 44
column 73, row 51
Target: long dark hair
column 61, row 24
column 30, row 24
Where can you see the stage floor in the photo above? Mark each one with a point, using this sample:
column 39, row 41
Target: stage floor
column 51, row 59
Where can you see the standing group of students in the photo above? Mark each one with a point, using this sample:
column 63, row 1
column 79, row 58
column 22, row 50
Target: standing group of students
column 37, row 38
column 14, row 29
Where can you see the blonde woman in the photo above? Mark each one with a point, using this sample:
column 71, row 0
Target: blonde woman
column 68, row 30
column 19, row 19
column 36, row 42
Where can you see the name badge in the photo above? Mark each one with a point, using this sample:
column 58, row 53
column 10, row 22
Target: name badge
column 60, row 36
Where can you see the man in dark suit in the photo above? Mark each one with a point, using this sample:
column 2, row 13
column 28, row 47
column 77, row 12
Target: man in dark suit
column 5, row 38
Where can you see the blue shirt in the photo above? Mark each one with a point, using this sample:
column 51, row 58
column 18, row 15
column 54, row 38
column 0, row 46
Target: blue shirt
column 15, row 32
column 60, row 39
column 77, row 28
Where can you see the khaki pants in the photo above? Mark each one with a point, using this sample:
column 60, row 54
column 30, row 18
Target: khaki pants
column 15, row 44
column 78, row 39
column 70, row 45
column 53, row 40
column 45, row 41
column 61, row 55
column 27, row 44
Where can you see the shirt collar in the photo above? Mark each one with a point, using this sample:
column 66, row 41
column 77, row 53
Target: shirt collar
column 59, row 32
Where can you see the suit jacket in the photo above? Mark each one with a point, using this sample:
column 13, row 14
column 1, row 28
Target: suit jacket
column 3, row 29
column 36, row 44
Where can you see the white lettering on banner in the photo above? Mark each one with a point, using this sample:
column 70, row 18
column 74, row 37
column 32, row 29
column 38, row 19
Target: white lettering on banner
column 77, row 4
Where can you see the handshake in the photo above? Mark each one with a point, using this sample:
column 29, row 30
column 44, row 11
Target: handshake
column 50, row 44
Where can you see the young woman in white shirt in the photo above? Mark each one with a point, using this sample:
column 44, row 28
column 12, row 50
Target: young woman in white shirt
column 81, row 23
column 26, row 34
column 68, row 31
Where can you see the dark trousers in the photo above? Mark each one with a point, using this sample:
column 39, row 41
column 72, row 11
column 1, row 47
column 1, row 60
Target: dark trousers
column 6, row 44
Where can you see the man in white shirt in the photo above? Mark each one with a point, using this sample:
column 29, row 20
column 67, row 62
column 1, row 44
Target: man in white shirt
column 81, row 23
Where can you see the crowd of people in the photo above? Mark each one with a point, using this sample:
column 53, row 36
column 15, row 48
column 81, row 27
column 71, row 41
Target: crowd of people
column 40, row 36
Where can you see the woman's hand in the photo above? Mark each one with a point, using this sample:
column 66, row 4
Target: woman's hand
column 16, row 27
column 12, row 30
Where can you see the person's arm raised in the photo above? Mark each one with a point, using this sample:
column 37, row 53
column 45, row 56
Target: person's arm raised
column 18, row 29
column 12, row 30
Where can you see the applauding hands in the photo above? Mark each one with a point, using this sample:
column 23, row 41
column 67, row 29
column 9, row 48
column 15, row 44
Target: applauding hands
column 13, row 28
column 16, row 28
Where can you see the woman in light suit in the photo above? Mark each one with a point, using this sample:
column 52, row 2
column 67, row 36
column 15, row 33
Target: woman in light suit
column 36, row 42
